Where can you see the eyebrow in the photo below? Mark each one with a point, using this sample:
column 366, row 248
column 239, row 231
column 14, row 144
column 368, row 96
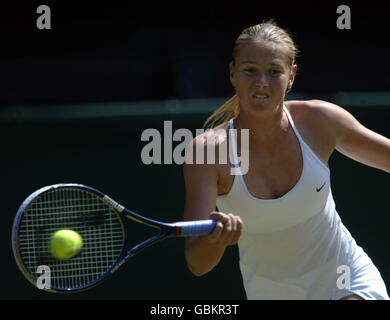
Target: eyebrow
column 274, row 63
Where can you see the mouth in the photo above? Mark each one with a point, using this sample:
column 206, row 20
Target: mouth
column 260, row 96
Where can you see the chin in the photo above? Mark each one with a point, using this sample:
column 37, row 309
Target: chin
column 266, row 105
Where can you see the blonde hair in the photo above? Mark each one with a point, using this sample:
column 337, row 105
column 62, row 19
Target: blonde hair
column 267, row 31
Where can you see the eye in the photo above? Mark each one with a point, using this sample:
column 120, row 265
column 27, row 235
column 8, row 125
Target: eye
column 275, row 71
column 250, row 70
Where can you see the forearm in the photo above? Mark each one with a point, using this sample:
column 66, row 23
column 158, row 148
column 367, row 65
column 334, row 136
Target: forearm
column 202, row 256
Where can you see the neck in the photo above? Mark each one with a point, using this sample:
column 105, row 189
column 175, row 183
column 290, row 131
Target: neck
column 264, row 129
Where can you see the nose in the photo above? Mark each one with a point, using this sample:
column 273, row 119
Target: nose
column 261, row 80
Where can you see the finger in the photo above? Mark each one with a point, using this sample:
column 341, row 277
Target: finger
column 227, row 230
column 231, row 230
column 238, row 232
column 221, row 220
column 217, row 230
column 225, row 236
column 219, row 216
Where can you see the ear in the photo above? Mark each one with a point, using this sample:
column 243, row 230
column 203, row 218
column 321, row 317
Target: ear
column 231, row 69
column 292, row 76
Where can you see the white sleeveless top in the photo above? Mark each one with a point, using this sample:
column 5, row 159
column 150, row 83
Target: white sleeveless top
column 295, row 246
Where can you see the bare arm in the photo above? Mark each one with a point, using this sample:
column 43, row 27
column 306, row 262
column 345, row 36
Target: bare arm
column 352, row 139
column 362, row 144
column 204, row 253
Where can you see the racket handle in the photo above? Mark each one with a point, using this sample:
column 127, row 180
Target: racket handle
column 195, row 228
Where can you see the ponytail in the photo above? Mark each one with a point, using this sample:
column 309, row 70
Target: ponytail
column 227, row 111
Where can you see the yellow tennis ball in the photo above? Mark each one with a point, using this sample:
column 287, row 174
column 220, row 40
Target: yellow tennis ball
column 65, row 244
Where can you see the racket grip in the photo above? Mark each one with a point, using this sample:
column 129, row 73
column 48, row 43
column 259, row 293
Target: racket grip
column 195, row 228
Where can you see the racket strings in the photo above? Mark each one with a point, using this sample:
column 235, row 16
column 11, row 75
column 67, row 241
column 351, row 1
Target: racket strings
column 78, row 210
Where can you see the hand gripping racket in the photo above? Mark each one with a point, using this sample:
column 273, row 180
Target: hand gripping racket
column 100, row 222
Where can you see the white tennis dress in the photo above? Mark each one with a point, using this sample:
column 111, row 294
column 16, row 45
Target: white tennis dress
column 295, row 246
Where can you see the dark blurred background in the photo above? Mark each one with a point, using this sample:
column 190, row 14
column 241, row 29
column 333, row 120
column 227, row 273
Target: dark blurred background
column 111, row 52
column 74, row 101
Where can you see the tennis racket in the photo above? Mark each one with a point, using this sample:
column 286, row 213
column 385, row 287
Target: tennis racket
column 101, row 223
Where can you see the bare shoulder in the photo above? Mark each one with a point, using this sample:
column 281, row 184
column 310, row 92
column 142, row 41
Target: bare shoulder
column 208, row 143
column 202, row 171
column 215, row 135
column 319, row 114
column 202, row 155
column 347, row 135
column 314, row 108
column 321, row 124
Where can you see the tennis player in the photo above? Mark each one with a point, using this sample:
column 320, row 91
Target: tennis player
column 292, row 243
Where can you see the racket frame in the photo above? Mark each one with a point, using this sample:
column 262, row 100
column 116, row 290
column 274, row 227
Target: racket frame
column 166, row 230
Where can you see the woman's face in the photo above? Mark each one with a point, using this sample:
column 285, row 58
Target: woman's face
column 261, row 74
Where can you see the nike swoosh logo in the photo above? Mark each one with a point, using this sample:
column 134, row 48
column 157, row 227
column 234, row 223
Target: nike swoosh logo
column 320, row 188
